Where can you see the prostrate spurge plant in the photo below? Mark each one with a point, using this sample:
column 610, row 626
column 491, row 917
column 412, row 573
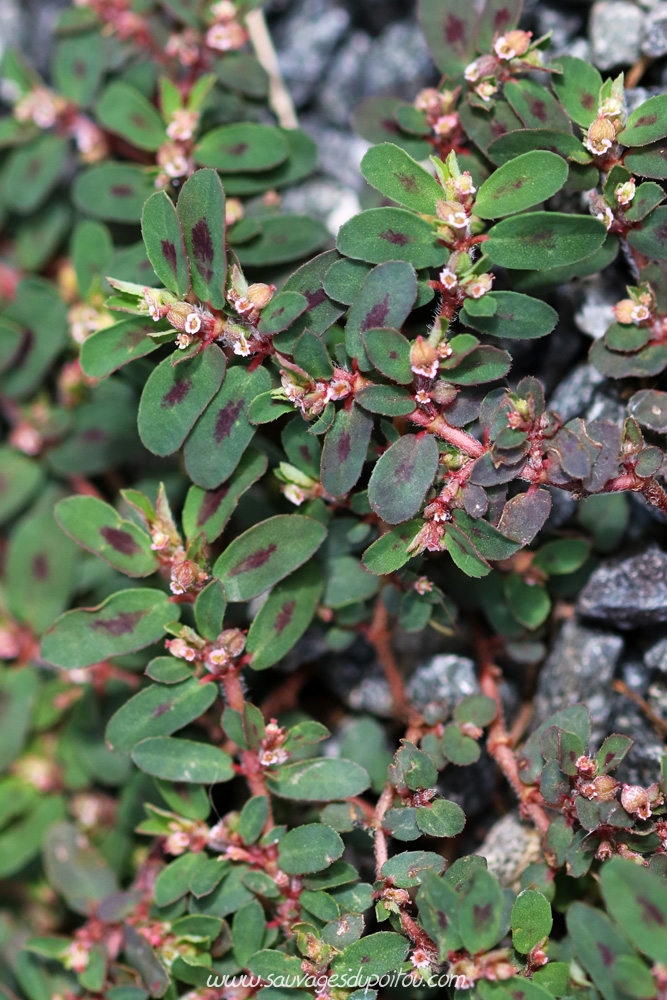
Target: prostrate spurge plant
column 329, row 391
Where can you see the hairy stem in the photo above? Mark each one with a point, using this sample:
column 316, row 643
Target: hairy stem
column 453, row 435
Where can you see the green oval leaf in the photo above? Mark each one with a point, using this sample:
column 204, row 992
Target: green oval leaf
column 125, row 622
column 636, row 899
column 114, row 346
column 112, row 191
column 544, row 239
column 344, row 451
column 481, row 913
column 398, row 177
column 321, row 780
column 389, row 552
column 518, row 317
column 163, row 238
column 309, row 848
column 175, row 395
column 386, row 299
column 243, row 148
column 124, row 110
column 214, row 448
column 100, row 529
column 647, row 123
column 32, row 171
column 651, row 237
column 578, row 89
column 183, row 760
column 266, row 553
column 284, row 238
column 284, row 617
column 523, row 182
column 382, row 234
column 374, row 955
column 389, row 352
column 531, row 920
column 201, row 213
column 210, row 510
column 158, row 711
column 401, row 477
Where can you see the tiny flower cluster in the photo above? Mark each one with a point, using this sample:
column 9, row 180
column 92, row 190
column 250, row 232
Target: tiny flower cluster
column 215, row 656
column 512, row 52
column 439, row 108
column 601, row 134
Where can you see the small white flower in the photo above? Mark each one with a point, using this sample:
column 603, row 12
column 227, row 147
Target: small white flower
column 464, row 184
column 480, row 287
column 183, row 340
column 177, row 843
column 607, row 217
column 224, row 10
column 640, row 313
column 192, row 323
column 241, row 346
column 471, row 72
column 611, row 108
column 422, row 397
column 180, row 649
column 338, row 388
column 503, row 49
column 295, row 494
column 459, row 220
column 448, row 278
column 271, row 758
column 423, row 585
column 446, row 124
column 486, row 90
column 218, row 657
column 182, row 124
column 177, row 166
column 420, row 958
column 624, row 193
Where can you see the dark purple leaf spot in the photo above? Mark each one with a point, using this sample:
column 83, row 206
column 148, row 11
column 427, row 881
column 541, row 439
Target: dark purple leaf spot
column 34, row 167
column 608, row 757
column 203, row 252
column 393, row 355
column 40, row 567
column 544, row 238
column 135, row 336
column 277, row 312
column 539, row 109
column 365, row 959
column 588, row 100
column 121, row 541
column 501, row 20
column 122, row 190
column 237, row 150
column 407, row 181
column 646, row 120
column 79, row 68
column 226, row 419
column 284, row 616
column 303, row 451
column 661, row 233
column 482, row 914
column 651, row 914
column 210, row 503
column 177, row 394
column 3, row 484
column 389, row 125
column 443, row 920
column 93, row 436
column 606, row 953
column 122, row 624
column 161, row 709
column 455, row 30
column 377, row 315
column 315, row 298
column 391, row 236
column 169, row 254
column 139, row 120
column 404, row 473
column 254, row 561
column 497, row 129
column 344, row 447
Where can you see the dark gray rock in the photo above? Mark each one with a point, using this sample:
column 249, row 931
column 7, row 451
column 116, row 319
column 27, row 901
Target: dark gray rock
column 586, row 393
column 345, row 83
column 641, row 766
column 470, row 787
column 563, row 26
column 340, row 152
column 400, row 61
column 325, row 199
column 598, row 296
column 627, row 593
column 305, row 40
column 579, row 669
column 656, row 656
column 654, row 34
column 437, row 686
column 614, row 30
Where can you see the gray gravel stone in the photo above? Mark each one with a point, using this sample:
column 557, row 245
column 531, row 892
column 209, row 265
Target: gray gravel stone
column 654, row 34
column 615, row 29
column 641, row 766
column 563, row 26
column 340, row 152
column 586, row 393
column 442, row 682
column 595, row 314
column 399, row 61
column 305, row 41
column 325, row 199
column 579, row 669
column 628, row 593
column 345, row 82
column 656, row 656
column 509, row 847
